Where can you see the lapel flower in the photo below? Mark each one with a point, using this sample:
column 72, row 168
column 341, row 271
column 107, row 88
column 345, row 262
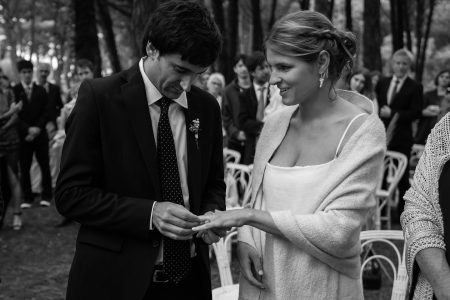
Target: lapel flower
column 194, row 127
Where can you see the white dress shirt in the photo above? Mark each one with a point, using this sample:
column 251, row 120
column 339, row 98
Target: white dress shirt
column 391, row 87
column 177, row 124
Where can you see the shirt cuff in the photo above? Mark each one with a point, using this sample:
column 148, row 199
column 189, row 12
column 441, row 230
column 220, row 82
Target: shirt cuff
column 151, row 216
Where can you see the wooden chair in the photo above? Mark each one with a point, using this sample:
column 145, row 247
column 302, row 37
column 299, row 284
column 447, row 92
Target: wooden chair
column 387, row 194
column 386, row 237
column 228, row 290
column 231, row 156
column 242, row 175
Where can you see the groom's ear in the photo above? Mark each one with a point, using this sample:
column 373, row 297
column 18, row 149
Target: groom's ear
column 151, row 51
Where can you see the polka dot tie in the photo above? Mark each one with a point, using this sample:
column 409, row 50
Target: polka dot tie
column 176, row 254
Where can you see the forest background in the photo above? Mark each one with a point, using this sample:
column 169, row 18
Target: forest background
column 109, row 32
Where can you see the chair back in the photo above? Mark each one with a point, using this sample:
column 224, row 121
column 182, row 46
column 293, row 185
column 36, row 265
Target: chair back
column 231, row 156
column 394, row 167
column 242, row 175
column 223, row 258
column 387, row 238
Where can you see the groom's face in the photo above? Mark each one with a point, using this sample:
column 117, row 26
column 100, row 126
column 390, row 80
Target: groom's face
column 170, row 74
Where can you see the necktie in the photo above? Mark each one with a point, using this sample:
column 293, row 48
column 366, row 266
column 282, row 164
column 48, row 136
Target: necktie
column 28, row 92
column 261, row 107
column 176, row 254
column 394, row 91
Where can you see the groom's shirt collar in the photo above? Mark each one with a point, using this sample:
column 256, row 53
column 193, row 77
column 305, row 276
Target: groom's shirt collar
column 153, row 94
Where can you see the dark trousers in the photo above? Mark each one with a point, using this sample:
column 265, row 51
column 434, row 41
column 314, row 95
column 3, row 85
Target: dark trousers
column 39, row 146
column 403, row 185
column 193, row 287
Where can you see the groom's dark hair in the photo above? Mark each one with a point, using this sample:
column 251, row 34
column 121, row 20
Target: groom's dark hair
column 186, row 28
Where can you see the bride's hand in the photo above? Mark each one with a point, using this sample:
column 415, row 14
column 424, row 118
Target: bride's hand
column 224, row 219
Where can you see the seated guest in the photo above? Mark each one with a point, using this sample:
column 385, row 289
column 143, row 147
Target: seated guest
column 426, row 218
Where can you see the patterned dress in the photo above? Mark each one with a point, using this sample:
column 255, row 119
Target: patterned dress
column 9, row 137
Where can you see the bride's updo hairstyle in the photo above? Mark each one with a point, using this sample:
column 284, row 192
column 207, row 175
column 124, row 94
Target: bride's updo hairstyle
column 304, row 34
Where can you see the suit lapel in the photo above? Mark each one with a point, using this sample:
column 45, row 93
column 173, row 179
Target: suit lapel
column 193, row 154
column 133, row 95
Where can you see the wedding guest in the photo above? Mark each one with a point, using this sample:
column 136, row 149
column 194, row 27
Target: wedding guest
column 426, row 218
column 215, row 86
column 32, row 120
column 9, row 149
column 432, row 105
column 231, row 105
column 400, row 101
column 253, row 103
column 54, row 96
column 142, row 158
column 361, row 82
column 316, row 170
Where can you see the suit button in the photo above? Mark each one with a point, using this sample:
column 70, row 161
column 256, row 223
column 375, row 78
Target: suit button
column 155, row 243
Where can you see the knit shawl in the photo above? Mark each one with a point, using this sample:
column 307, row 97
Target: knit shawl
column 422, row 218
column 331, row 234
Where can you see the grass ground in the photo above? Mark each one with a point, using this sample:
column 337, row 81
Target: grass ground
column 35, row 261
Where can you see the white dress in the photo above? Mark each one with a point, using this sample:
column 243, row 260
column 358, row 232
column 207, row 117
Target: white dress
column 296, row 189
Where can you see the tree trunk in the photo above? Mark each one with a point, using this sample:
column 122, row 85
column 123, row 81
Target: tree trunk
column 325, row 7
column 32, row 27
column 304, row 4
column 86, row 39
column 397, row 24
column 407, row 25
column 421, row 59
column 141, row 11
column 257, row 26
column 233, row 23
column 371, row 35
column 272, row 15
column 348, row 15
column 223, row 63
column 108, row 32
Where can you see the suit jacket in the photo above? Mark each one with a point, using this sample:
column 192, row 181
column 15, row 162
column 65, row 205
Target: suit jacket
column 54, row 97
column 35, row 111
column 407, row 104
column 109, row 181
column 248, row 123
column 230, row 110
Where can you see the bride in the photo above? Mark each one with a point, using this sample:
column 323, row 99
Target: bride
column 315, row 172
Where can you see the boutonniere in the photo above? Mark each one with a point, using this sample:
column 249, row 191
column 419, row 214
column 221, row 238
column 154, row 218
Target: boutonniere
column 194, row 127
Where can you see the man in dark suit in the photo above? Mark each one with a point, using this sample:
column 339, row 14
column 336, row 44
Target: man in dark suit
column 54, row 96
column 141, row 160
column 400, row 101
column 253, row 103
column 32, row 120
column 230, row 106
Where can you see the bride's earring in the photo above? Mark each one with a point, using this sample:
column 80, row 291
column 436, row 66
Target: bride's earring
column 322, row 78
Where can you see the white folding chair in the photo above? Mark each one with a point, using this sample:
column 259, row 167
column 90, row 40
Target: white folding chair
column 387, row 194
column 242, row 175
column 228, row 290
column 231, row 156
column 386, row 237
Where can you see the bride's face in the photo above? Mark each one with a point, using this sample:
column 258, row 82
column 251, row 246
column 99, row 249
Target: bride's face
column 296, row 79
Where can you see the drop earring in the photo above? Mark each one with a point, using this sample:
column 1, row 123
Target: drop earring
column 322, row 78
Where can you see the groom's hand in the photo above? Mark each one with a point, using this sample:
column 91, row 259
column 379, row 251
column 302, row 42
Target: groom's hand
column 174, row 221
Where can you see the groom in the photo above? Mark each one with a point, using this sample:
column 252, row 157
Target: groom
column 142, row 159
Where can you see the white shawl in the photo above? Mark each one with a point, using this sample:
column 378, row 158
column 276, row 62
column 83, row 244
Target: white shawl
column 331, row 234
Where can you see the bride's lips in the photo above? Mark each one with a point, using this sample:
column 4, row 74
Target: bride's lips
column 283, row 90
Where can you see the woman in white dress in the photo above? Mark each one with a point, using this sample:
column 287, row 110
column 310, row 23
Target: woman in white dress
column 315, row 172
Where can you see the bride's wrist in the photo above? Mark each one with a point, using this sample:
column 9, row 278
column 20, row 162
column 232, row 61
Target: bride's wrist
column 249, row 216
